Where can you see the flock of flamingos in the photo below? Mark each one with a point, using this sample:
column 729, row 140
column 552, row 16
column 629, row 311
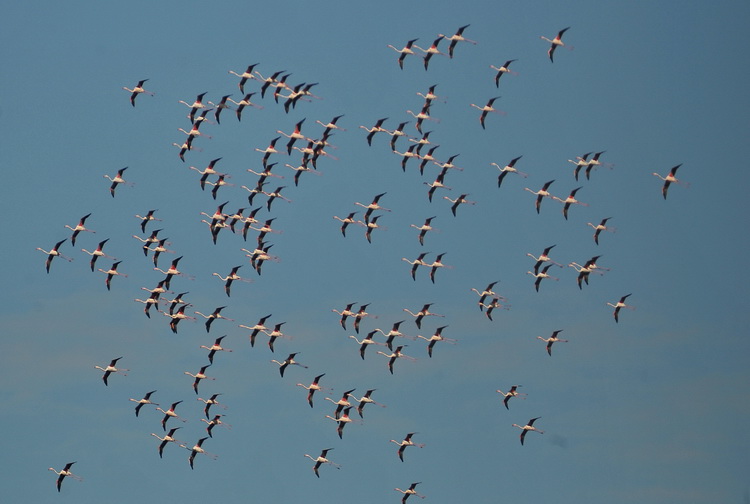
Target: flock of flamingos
column 261, row 196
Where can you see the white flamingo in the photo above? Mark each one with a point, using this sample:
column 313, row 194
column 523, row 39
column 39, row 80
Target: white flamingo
column 137, row 89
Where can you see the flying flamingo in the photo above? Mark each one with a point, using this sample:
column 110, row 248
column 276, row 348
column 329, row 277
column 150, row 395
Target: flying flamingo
column 294, row 136
column 289, row 361
column 409, row 492
column 271, row 149
column 196, row 449
column 669, row 179
column 168, row 438
column 360, row 314
column 557, row 41
column 231, row 277
column 395, row 134
column 570, row 200
column 487, row 109
column 552, row 339
column 147, row 218
column 437, row 336
column 437, row 263
column 396, row 354
column 216, row 420
column 200, row 375
column 169, row 414
column 216, row 314
column 320, row 460
column 377, row 128
column 430, row 51
column 177, row 316
column 208, row 170
column 349, row 219
column 97, row 253
column 513, row 392
column 211, row 401
column 456, row 38
column 372, row 206
column 406, row 156
column 367, row 340
column 117, row 179
column 371, row 225
column 220, row 106
column 158, row 249
column 403, row 444
column 152, row 300
column 503, row 69
column 244, row 102
column 620, row 304
column 437, row 184
column 416, row 263
column 342, row 421
column 541, row 276
column 579, row 163
column 245, row 76
column 404, row 51
column 346, row 312
column 216, row 347
column 315, row 385
column 331, row 125
column 341, row 403
column 112, row 272
column 111, row 368
column 594, row 161
column 543, row 258
column 422, row 313
column 365, row 400
column 78, row 228
column 490, row 307
column 54, row 252
column 138, row 89
column 485, row 293
column 427, row 158
column 423, row 229
column 195, row 106
column 509, row 168
column 461, row 200
column 274, row 334
column 146, row 400
column 528, row 427
column 424, row 114
column 585, row 270
column 541, row 194
column 65, row 471
column 171, row 271
column 598, row 228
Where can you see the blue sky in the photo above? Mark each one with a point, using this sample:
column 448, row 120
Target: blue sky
column 653, row 408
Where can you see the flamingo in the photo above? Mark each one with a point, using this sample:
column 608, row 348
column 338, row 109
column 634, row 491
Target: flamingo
column 194, row 131
column 396, row 354
column 342, row 421
column 430, row 96
column 585, row 270
column 220, row 106
column 184, row 147
column 424, row 114
column 579, row 163
column 147, row 218
column 598, row 228
column 320, row 460
column 409, row 492
column 216, row 314
column 437, row 336
column 289, row 361
column 378, row 128
column 552, row 339
column 427, row 158
column 407, row 155
column 365, row 400
column 555, row 42
column 543, row 258
column 331, row 125
column 593, row 162
column 461, row 200
column 152, row 300
column 449, row 164
column 275, row 333
column 231, row 277
column 437, row 263
column 168, row 438
column 513, row 392
column 541, row 194
column 117, row 179
column 195, row 106
column 200, row 375
column 216, row 420
column 456, row 38
column 423, row 229
column 78, row 228
column 346, row 312
column 541, row 276
column 419, row 261
column 245, row 76
column 65, row 471
column 487, row 109
column 395, row 134
column 169, row 414
column 528, row 427
column 373, row 224
column 570, row 200
column 360, row 314
column 112, row 272
column 430, row 51
column 509, row 168
column 294, row 136
column 372, row 206
column 422, row 313
column 341, row 403
column 349, row 219
column 490, row 307
column 146, row 400
column 138, row 89
column 620, row 304
column 273, row 195
column 177, row 316
column 404, row 51
column 208, row 170
column 158, row 249
column 111, row 368
column 211, row 401
column 216, row 347
column 437, row 184
column 267, row 81
column 671, row 177
column 170, row 272
column 152, row 238
column 174, row 302
column 271, row 149
column 196, row 449
column 485, row 293
column 403, row 444
column 97, row 253
column 367, row 340
column 315, row 385
column 244, row 102
column 503, row 69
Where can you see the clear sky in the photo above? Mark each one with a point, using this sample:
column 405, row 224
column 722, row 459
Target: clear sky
column 653, row 408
